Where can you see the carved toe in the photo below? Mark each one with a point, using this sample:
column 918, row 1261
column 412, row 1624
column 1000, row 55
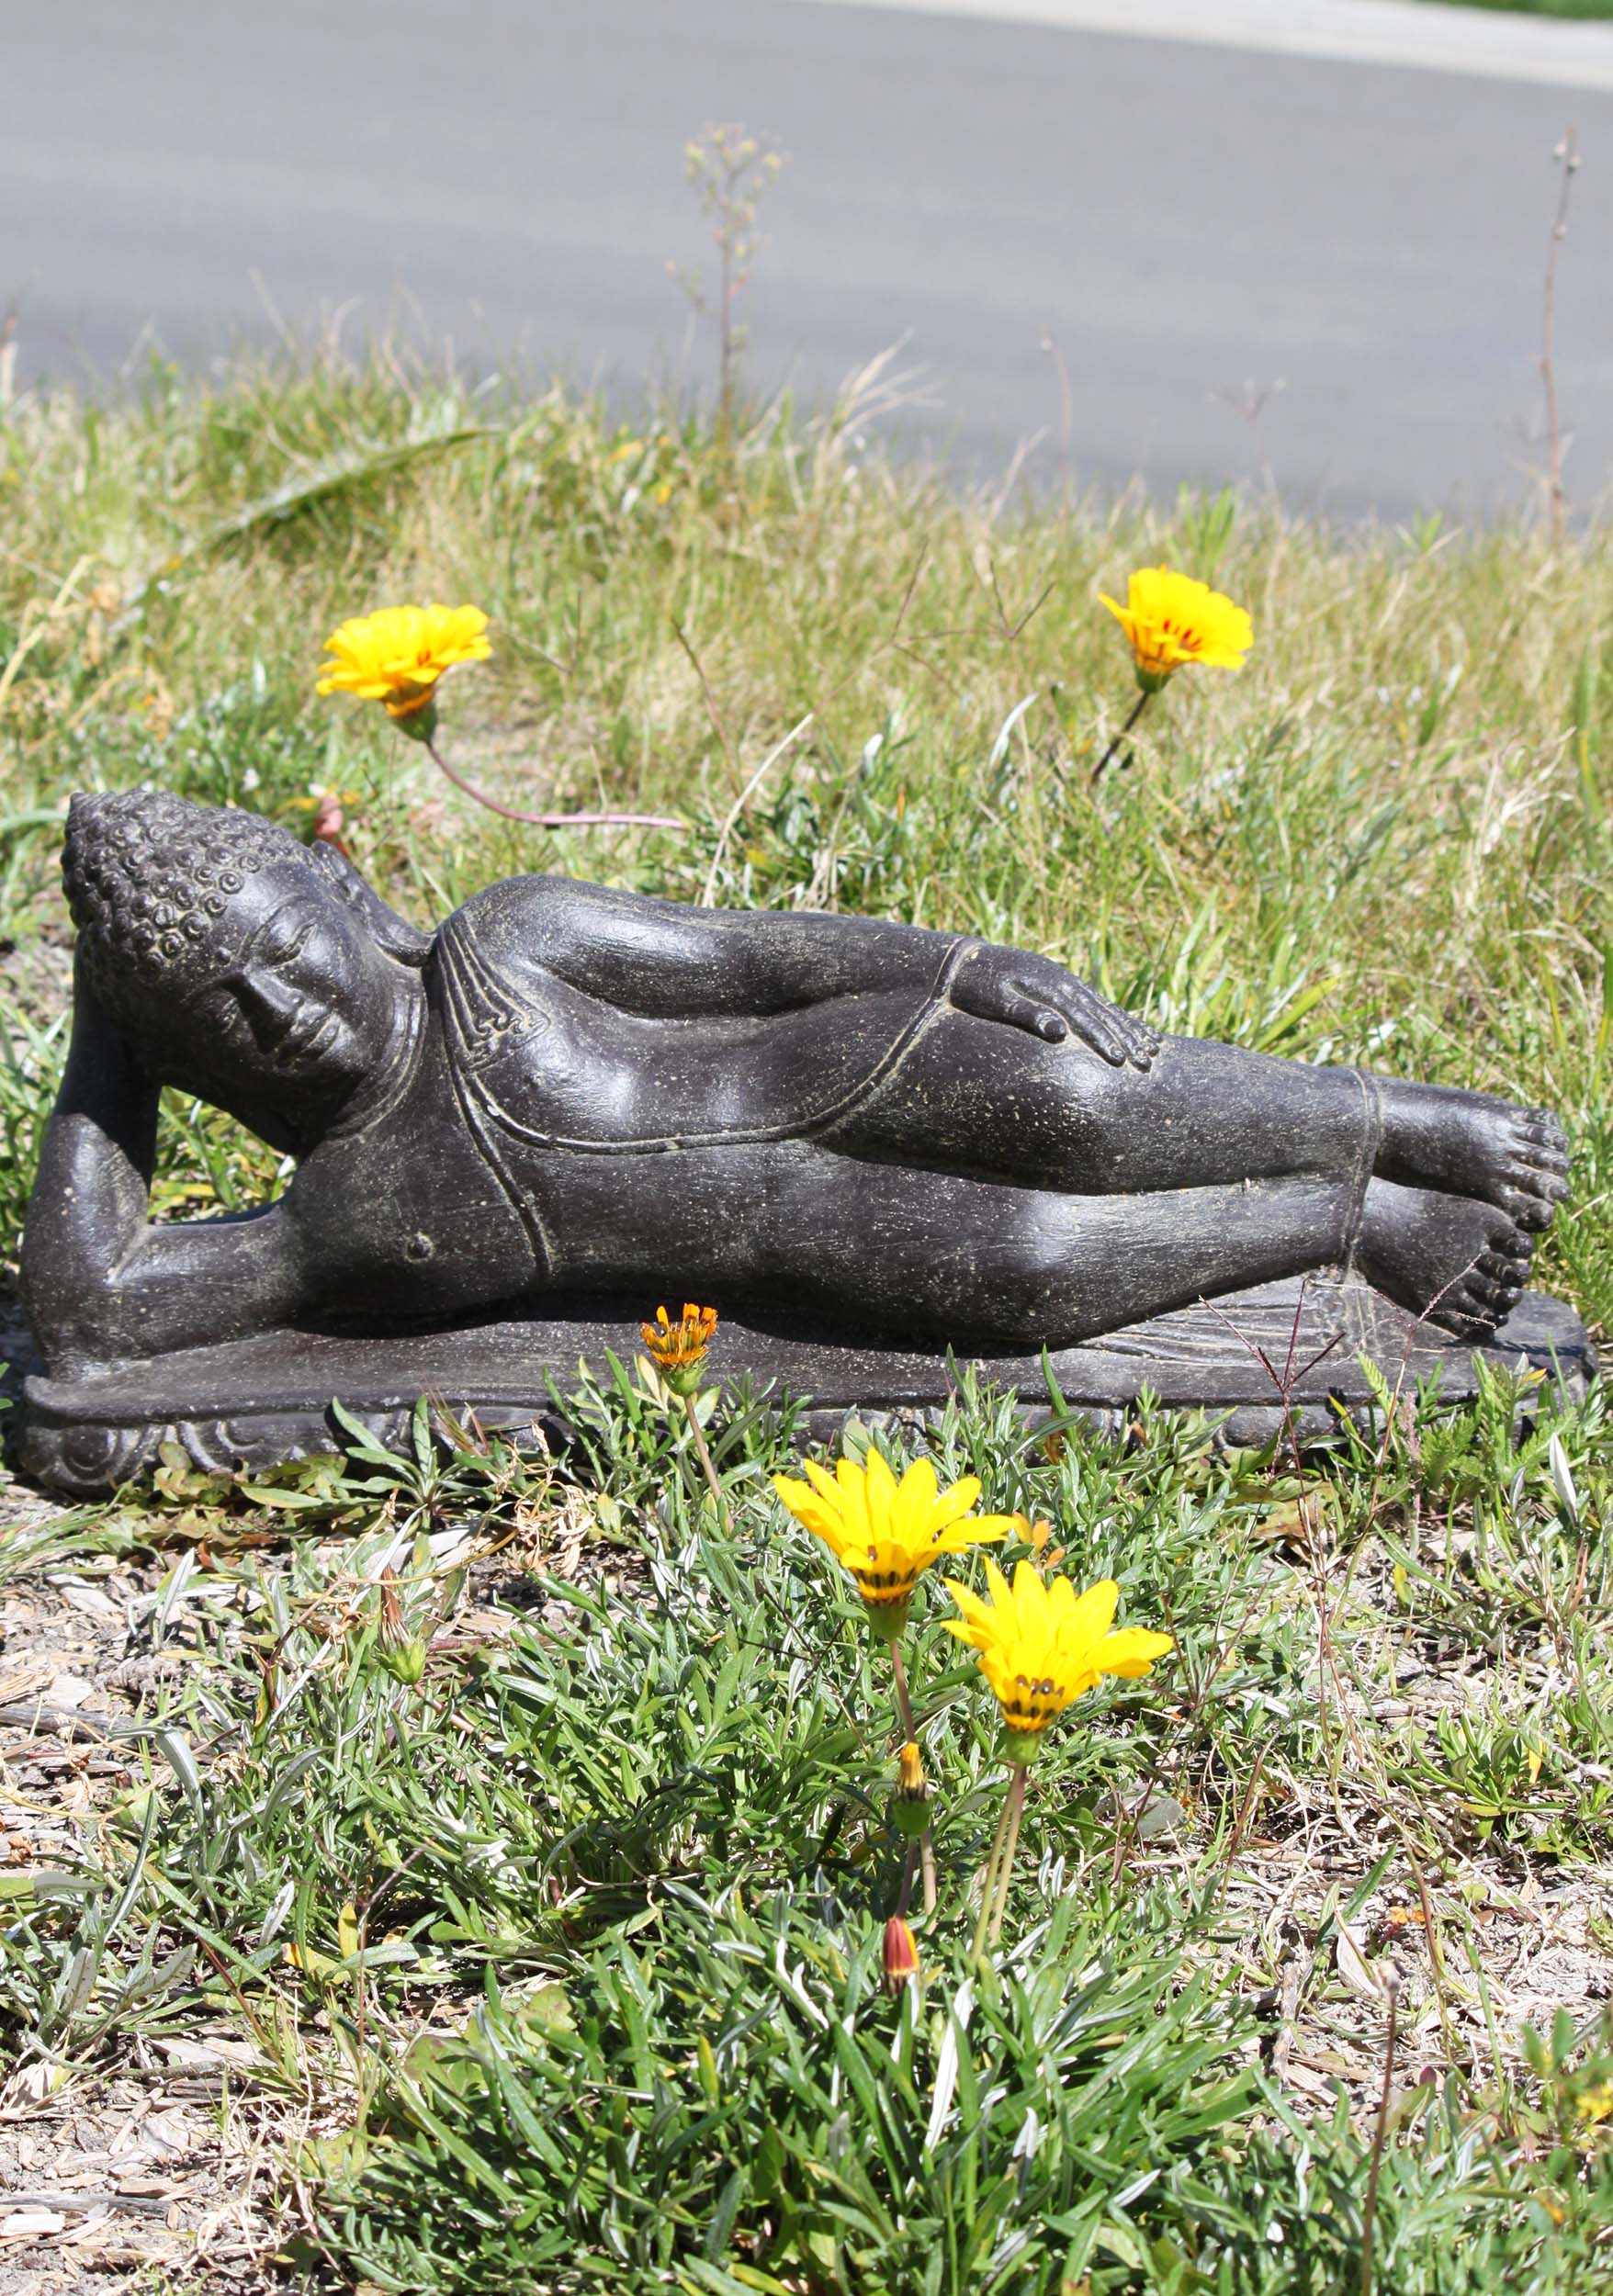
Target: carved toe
column 1546, row 1138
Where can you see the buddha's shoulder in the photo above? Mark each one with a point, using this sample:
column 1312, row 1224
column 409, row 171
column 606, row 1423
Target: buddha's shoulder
column 505, row 915
column 527, row 916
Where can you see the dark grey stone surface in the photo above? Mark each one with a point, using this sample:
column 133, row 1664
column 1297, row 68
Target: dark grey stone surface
column 263, row 1401
column 864, row 1143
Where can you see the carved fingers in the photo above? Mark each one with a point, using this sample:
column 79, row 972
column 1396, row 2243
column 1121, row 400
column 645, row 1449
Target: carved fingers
column 1039, row 996
column 1118, row 1036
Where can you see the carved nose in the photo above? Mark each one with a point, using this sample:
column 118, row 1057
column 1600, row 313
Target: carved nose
column 271, row 1007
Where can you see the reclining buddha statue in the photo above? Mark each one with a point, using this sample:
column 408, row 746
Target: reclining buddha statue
column 567, row 1092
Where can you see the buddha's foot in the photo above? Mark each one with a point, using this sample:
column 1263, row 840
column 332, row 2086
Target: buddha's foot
column 1469, row 1144
column 1460, row 1263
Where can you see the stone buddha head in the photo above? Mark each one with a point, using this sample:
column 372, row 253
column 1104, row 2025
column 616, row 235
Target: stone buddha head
column 259, row 972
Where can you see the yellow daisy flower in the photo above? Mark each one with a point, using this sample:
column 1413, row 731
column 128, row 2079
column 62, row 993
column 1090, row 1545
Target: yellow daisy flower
column 1041, row 1644
column 397, row 656
column 887, row 1534
column 1172, row 620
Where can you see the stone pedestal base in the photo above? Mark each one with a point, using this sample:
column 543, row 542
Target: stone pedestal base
column 266, row 1399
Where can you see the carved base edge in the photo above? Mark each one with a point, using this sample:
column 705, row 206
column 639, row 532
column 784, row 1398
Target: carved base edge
column 265, row 1402
column 86, row 1458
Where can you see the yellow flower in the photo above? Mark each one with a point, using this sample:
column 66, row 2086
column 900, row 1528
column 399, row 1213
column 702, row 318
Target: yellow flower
column 679, row 1349
column 1172, row 620
column 398, row 655
column 1042, row 1645
column 888, row 1533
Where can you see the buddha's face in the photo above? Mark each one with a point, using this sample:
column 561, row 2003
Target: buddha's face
column 296, row 1001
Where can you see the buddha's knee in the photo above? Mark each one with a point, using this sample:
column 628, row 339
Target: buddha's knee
column 1035, row 1267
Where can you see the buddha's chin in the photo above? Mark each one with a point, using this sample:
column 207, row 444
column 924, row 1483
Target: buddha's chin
column 334, row 1062
column 289, row 1103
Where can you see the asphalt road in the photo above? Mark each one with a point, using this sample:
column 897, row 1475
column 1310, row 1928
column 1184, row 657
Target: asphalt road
column 1189, row 225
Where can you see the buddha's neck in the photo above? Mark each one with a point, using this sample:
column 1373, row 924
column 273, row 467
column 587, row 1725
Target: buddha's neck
column 394, row 1067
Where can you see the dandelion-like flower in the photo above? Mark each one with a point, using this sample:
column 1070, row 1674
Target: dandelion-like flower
column 887, row 1534
column 1042, row 1645
column 397, row 655
column 1173, row 621
column 678, row 1350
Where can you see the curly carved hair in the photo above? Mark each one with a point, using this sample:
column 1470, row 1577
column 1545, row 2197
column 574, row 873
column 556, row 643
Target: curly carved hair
column 149, row 876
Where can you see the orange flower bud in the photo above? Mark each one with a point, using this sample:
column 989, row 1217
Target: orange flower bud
column 901, row 1955
column 910, row 1809
column 678, row 1350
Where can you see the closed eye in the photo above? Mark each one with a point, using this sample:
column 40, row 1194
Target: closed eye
column 274, row 951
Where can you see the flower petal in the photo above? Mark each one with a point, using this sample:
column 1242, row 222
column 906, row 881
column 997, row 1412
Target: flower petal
column 1093, row 1613
column 880, row 1487
column 854, row 1495
column 1131, row 1652
column 812, row 1512
column 914, row 1499
column 975, row 1530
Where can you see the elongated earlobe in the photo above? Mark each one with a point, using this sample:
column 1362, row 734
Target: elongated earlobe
column 391, row 933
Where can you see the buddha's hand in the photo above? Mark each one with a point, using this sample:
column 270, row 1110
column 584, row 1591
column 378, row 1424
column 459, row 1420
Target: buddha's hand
column 1034, row 993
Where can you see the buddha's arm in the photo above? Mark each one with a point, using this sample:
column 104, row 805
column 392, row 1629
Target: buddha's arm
column 661, row 959
column 100, row 1282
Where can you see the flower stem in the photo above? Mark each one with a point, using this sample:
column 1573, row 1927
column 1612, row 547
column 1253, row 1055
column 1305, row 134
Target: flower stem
column 989, row 1879
column 1016, row 1809
column 904, row 1704
column 905, row 1896
column 554, row 820
column 926, row 1845
column 1101, row 767
column 716, row 1487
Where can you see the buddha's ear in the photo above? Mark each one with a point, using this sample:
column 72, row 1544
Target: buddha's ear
column 394, row 934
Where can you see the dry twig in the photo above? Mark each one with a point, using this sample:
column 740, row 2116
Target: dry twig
column 1566, row 157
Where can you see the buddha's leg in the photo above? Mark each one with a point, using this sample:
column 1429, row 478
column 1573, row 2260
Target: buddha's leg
column 936, row 1254
column 939, row 1254
column 972, row 1094
column 955, row 1257
column 968, row 1260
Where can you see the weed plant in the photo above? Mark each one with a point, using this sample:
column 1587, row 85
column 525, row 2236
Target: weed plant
column 530, row 1829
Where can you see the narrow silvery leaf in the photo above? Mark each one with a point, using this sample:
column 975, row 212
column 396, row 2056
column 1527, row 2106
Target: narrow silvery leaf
column 1562, row 1476
column 1006, row 730
column 946, row 2061
column 276, row 1913
column 1353, row 1965
column 175, row 1752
